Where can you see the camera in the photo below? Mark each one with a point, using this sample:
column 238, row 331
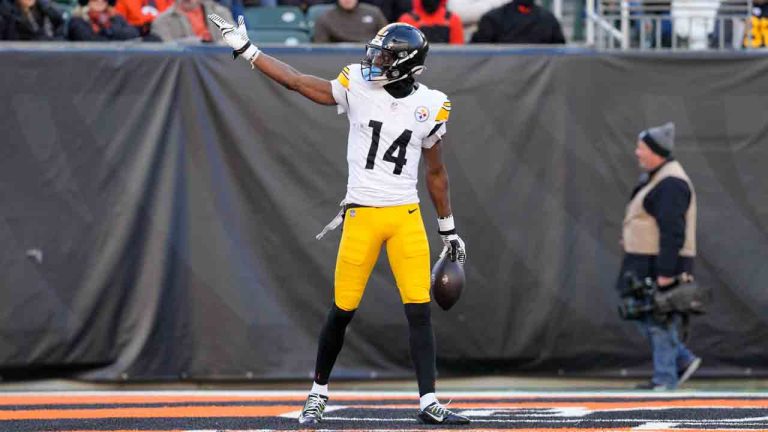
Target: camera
column 641, row 297
column 636, row 297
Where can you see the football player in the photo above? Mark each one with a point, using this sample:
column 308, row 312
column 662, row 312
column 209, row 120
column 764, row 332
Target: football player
column 393, row 122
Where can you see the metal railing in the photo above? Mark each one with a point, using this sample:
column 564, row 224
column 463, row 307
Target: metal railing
column 670, row 24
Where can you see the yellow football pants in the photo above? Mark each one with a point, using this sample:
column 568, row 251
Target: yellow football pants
column 365, row 230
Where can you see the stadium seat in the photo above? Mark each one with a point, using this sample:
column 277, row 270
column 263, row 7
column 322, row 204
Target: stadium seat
column 286, row 37
column 278, row 17
column 315, row 11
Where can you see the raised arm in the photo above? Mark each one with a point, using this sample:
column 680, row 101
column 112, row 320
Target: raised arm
column 313, row 88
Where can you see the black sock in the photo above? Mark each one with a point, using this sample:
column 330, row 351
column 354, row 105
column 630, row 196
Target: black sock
column 331, row 341
column 422, row 342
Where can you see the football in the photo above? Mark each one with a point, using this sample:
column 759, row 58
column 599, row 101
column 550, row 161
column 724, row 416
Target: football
column 447, row 282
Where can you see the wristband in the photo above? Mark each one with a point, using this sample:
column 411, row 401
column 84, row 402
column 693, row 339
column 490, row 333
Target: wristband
column 249, row 52
column 445, row 225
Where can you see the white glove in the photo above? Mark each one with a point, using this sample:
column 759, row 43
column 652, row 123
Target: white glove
column 454, row 245
column 236, row 37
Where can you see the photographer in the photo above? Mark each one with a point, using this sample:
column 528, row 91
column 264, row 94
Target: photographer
column 659, row 240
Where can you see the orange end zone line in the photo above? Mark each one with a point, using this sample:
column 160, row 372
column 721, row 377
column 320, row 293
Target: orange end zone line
column 9, row 400
column 167, row 412
column 276, row 410
column 71, row 400
column 65, row 399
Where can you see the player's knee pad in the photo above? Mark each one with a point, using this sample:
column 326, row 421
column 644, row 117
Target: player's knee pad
column 418, row 314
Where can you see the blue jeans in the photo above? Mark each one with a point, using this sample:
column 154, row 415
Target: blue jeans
column 669, row 353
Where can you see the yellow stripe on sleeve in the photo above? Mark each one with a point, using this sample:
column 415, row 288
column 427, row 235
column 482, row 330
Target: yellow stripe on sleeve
column 343, row 78
column 443, row 114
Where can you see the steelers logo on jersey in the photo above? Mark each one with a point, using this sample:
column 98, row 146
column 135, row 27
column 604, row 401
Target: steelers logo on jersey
column 421, row 114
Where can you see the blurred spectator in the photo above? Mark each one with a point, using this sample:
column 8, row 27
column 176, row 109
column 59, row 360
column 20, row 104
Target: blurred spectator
column 186, row 21
column 257, row 3
column 349, row 21
column 392, row 9
column 519, row 22
column 141, row 13
column 471, row 11
column 236, row 7
column 31, row 20
column 694, row 20
column 303, row 4
column 658, row 28
column 2, row 23
column 437, row 23
column 97, row 20
column 736, row 33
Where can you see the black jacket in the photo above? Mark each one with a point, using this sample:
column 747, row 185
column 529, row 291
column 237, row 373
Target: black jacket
column 47, row 23
column 516, row 23
column 80, row 29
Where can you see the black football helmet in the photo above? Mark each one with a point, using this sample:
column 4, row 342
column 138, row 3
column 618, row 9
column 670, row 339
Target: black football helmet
column 396, row 52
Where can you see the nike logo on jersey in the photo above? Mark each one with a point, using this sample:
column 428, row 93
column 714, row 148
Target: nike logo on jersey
column 411, row 211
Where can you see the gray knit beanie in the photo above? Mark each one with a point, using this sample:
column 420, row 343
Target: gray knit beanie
column 660, row 139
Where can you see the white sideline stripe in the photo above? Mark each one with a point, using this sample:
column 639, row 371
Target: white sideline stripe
column 412, row 394
column 372, row 419
column 555, row 421
column 517, row 412
column 755, row 419
column 295, row 414
column 655, row 426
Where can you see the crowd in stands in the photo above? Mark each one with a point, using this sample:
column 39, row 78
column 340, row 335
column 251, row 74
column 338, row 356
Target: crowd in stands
column 97, row 20
column 349, row 21
column 334, row 21
column 320, row 21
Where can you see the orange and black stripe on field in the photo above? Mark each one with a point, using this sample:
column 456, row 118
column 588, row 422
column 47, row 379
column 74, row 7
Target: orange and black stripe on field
column 251, row 411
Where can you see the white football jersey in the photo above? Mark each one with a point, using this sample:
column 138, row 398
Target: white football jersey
column 386, row 136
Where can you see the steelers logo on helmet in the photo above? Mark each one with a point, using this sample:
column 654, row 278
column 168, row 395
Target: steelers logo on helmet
column 396, row 52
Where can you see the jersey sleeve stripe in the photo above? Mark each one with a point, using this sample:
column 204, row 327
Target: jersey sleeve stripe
column 443, row 115
column 434, row 129
column 343, row 80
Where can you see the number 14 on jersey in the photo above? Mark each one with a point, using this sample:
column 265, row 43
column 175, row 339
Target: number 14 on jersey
column 400, row 146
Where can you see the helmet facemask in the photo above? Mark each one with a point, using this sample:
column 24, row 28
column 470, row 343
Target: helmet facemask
column 377, row 63
column 382, row 64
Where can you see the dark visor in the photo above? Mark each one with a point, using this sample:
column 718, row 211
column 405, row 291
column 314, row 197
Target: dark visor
column 378, row 57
